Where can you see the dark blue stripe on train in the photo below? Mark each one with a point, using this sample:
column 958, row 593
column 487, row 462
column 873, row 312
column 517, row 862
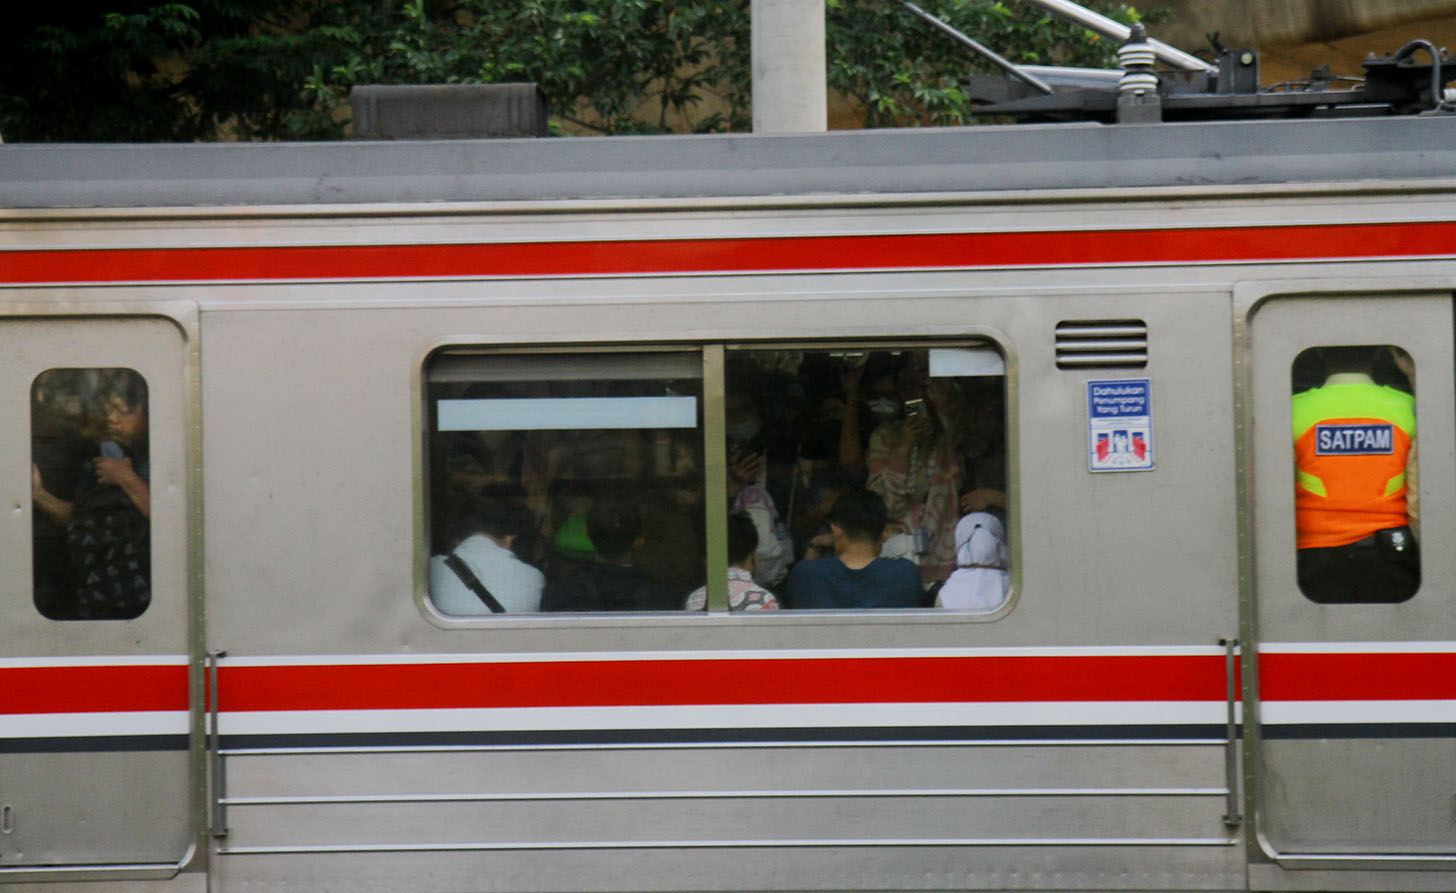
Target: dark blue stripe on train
column 751, row 736
column 94, row 744
column 1172, row 734
column 1307, row 731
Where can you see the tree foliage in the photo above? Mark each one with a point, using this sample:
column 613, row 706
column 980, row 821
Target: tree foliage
column 102, row 70
column 903, row 72
column 115, row 70
column 618, row 66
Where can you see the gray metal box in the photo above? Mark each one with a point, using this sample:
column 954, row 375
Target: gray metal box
column 448, row 111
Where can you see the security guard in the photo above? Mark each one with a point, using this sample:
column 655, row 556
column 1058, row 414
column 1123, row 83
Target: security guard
column 1353, row 445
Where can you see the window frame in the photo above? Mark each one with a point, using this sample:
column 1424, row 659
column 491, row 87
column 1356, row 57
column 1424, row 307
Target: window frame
column 151, row 536
column 714, row 483
column 1413, row 486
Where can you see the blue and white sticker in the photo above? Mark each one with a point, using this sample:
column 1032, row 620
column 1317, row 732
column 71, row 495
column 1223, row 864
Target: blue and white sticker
column 1359, row 439
column 1120, row 425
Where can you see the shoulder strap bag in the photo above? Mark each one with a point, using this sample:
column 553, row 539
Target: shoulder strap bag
column 467, row 576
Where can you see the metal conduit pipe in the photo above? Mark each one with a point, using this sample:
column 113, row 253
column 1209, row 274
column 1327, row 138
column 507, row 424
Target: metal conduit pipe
column 1006, row 65
column 1116, row 30
column 1437, row 82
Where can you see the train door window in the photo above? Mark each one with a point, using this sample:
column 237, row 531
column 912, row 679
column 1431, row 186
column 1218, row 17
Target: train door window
column 565, row 482
column 1357, row 514
column 91, row 494
column 873, row 477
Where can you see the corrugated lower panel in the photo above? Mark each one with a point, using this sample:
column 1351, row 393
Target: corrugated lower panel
column 908, row 795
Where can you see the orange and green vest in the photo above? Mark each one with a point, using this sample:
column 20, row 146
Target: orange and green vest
column 1351, row 441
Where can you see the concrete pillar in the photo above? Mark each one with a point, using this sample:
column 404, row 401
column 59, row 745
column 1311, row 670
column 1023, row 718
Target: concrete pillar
column 788, row 66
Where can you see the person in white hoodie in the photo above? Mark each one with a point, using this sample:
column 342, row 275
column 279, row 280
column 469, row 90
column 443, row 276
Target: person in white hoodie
column 982, row 576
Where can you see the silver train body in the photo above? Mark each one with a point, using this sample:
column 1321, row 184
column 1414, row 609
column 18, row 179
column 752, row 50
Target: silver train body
column 1155, row 707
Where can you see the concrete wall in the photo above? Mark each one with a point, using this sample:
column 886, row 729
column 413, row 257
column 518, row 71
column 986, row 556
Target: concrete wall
column 1260, row 22
column 1294, row 37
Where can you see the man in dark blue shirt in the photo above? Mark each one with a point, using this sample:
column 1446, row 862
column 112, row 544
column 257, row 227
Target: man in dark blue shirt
column 856, row 576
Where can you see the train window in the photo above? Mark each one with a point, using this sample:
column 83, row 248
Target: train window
column 91, row 494
column 873, row 478
column 1356, row 501
column 565, row 482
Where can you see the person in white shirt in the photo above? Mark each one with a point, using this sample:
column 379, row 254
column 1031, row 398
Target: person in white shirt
column 486, row 555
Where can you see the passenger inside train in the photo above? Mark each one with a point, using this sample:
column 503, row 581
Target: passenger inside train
column 606, row 452
column 482, row 569
column 611, row 581
column 1355, row 454
column 91, row 494
column 744, row 592
column 750, row 467
column 857, row 574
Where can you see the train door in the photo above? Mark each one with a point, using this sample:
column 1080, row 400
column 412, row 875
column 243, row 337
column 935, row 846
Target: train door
column 95, row 760
column 1352, row 667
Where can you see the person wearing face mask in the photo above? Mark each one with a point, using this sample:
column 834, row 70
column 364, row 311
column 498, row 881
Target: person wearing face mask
column 911, row 461
column 747, row 484
column 819, row 477
column 866, row 406
column 108, row 533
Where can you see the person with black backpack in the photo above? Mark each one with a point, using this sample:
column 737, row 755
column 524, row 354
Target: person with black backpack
column 611, row 583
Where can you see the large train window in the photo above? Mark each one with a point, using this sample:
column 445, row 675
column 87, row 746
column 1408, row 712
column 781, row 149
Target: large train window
column 90, row 494
column 854, row 478
column 1356, row 501
column 873, row 477
column 565, row 482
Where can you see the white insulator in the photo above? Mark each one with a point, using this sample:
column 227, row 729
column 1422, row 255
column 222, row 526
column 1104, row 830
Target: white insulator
column 1450, row 95
column 1136, row 55
column 1137, row 60
column 1138, row 82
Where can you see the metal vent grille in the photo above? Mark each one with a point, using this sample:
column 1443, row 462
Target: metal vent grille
column 1084, row 343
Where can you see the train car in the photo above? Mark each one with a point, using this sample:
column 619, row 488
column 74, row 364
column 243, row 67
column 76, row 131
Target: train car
column 256, row 393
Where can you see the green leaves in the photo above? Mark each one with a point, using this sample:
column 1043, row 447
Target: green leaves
column 282, row 69
column 621, row 66
column 903, row 73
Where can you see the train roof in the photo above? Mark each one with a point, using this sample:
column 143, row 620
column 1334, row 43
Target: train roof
column 987, row 159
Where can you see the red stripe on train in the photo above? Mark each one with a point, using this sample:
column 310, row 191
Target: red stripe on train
column 623, row 683
column 93, row 689
column 1357, row 677
column 906, row 251
column 991, row 679
column 731, row 681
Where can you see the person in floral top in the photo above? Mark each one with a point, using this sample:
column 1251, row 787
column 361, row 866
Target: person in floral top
column 743, row 593
column 914, row 463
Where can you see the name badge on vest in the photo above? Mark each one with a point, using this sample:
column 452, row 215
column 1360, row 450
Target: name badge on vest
column 1354, row 440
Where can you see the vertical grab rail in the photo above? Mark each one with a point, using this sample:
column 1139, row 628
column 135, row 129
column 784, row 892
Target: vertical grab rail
column 218, row 818
column 1231, row 817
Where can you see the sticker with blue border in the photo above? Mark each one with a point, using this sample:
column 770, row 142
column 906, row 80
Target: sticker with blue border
column 1120, row 425
column 1359, row 439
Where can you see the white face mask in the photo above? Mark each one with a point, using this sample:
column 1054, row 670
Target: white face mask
column 883, row 407
column 744, row 430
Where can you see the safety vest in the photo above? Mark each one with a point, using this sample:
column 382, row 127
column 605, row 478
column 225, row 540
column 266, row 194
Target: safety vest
column 1351, row 441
